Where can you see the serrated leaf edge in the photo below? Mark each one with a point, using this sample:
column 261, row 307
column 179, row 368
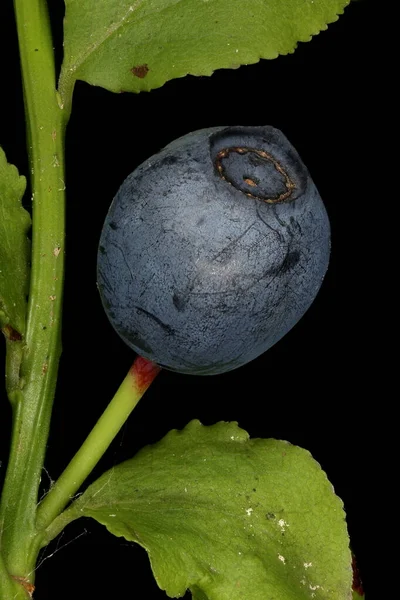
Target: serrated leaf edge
column 67, row 80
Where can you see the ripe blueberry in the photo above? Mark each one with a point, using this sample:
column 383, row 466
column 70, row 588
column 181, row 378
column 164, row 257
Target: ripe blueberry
column 213, row 249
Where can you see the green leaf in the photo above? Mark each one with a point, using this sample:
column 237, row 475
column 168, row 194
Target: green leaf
column 14, row 250
column 135, row 45
column 228, row 517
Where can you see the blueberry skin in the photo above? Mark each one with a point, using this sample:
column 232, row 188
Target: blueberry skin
column 213, row 249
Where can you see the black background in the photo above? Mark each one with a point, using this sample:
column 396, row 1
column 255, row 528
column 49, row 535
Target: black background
column 310, row 388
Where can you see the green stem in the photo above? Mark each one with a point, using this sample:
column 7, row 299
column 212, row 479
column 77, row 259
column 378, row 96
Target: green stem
column 126, row 398
column 38, row 365
column 14, row 353
column 11, row 588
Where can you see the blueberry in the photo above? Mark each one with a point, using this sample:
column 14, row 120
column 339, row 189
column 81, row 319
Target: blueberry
column 213, row 249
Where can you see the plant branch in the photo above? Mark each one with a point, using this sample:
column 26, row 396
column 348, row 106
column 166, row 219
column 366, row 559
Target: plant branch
column 38, row 365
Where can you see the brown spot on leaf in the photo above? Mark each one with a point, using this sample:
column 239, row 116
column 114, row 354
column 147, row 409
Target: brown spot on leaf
column 140, row 71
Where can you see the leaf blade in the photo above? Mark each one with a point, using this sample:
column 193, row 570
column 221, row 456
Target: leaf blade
column 228, row 517
column 14, row 250
column 139, row 45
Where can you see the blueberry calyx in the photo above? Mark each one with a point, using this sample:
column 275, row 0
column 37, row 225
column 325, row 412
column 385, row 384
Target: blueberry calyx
column 256, row 173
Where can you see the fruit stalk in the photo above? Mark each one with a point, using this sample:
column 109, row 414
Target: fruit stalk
column 32, row 402
column 136, row 382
